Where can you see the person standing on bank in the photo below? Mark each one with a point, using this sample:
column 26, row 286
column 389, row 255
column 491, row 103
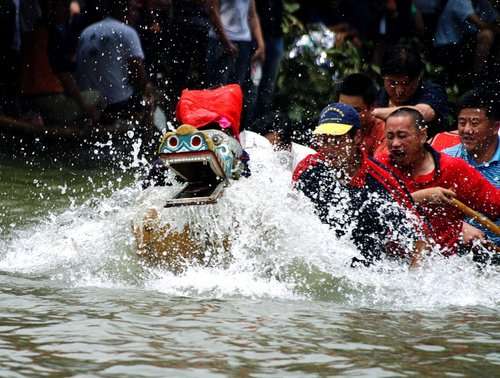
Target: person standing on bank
column 229, row 59
column 270, row 16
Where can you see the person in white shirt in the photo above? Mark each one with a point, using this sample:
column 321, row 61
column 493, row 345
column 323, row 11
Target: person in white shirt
column 229, row 60
column 110, row 60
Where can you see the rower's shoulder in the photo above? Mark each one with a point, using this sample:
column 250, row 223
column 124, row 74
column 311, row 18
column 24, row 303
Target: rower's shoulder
column 308, row 162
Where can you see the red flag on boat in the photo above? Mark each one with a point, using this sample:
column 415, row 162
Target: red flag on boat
column 201, row 107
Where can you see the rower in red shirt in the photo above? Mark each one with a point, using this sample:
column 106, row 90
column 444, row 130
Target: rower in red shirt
column 359, row 91
column 435, row 178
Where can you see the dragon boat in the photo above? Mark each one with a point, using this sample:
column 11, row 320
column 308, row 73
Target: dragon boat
column 201, row 164
column 201, row 158
column 192, row 220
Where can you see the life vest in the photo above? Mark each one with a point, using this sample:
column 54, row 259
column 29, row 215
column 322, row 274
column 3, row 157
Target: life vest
column 444, row 140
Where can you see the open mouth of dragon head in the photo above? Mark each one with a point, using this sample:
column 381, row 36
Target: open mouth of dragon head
column 203, row 160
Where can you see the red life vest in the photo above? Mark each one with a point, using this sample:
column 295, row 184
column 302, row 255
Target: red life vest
column 444, row 140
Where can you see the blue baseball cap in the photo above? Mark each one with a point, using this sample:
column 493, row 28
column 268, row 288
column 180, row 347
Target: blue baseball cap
column 337, row 119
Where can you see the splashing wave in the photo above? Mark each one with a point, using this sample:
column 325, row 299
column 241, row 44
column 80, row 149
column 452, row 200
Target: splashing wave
column 280, row 250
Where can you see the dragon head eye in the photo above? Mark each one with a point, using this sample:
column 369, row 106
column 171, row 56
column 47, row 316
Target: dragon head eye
column 217, row 139
column 173, row 141
column 196, row 141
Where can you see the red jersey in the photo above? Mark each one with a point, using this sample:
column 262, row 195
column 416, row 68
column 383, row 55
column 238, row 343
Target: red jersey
column 445, row 140
column 374, row 142
column 470, row 187
column 369, row 168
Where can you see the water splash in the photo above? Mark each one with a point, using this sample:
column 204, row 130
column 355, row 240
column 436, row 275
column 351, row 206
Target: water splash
column 280, row 250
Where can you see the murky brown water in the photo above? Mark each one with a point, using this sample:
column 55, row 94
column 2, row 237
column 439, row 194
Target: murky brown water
column 84, row 307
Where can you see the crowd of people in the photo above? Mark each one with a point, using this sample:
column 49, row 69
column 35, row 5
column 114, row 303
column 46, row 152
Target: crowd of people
column 68, row 60
column 404, row 199
column 93, row 61
column 96, row 60
column 461, row 35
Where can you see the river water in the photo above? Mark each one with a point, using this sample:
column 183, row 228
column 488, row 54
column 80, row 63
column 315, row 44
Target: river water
column 76, row 301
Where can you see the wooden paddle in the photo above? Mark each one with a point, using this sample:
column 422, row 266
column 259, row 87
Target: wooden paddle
column 486, row 222
column 421, row 246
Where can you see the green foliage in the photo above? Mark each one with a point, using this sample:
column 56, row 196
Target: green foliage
column 311, row 67
column 310, row 70
column 290, row 21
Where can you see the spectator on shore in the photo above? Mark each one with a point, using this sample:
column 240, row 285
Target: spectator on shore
column 434, row 179
column 188, row 66
column 191, row 24
column 478, row 125
column 151, row 19
column 383, row 23
column 403, row 71
column 49, row 91
column 359, row 91
column 464, row 26
column 36, row 76
column 10, row 45
column 271, row 17
column 229, row 58
column 428, row 13
column 110, row 60
column 62, row 44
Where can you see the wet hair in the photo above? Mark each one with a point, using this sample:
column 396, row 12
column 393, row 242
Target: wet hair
column 402, row 60
column 481, row 100
column 359, row 84
column 415, row 115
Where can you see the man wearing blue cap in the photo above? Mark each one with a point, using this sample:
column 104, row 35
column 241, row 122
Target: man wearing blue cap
column 354, row 192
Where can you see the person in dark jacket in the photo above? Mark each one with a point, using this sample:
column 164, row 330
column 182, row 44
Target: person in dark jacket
column 405, row 86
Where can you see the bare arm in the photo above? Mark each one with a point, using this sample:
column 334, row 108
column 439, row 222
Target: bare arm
column 253, row 19
column 71, row 89
column 435, row 195
column 471, row 233
column 481, row 25
column 418, row 251
column 214, row 15
column 476, row 20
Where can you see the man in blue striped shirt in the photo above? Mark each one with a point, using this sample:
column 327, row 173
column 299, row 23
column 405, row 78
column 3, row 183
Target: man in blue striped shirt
column 478, row 125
